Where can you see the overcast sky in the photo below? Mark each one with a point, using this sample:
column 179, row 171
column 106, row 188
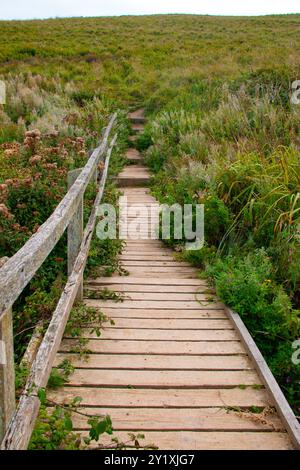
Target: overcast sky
column 25, row 9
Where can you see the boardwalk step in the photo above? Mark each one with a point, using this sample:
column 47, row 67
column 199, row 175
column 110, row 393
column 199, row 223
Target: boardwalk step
column 144, row 362
column 176, row 348
column 160, row 398
column 201, row 419
column 191, row 440
column 163, row 378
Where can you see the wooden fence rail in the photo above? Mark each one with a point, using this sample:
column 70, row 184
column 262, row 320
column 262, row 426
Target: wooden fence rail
column 17, row 273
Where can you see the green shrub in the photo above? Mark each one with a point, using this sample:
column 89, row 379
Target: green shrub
column 246, row 284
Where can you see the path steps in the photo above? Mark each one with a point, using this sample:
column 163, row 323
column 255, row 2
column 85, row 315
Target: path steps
column 172, row 366
column 133, row 156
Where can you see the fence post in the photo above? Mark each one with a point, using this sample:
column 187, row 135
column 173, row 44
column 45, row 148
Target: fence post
column 75, row 232
column 7, row 370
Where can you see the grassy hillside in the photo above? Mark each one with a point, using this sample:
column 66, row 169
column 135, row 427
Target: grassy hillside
column 222, row 132
column 149, row 58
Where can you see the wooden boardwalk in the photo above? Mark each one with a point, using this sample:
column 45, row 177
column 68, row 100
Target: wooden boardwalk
column 172, row 366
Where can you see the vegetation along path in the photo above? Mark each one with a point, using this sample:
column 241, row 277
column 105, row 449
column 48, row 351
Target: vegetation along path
column 174, row 364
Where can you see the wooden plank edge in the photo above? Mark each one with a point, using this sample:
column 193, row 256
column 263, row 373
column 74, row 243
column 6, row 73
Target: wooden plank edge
column 281, row 404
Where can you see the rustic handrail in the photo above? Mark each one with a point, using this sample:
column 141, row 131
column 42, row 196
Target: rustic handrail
column 20, row 269
column 22, row 423
column 17, row 272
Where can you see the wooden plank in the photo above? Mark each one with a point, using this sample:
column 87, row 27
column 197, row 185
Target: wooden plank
column 146, row 250
column 124, row 361
column 137, row 190
column 147, row 213
column 158, row 243
column 144, row 216
column 138, row 115
column 139, row 218
column 139, row 200
column 134, row 172
column 146, row 253
column 172, row 268
column 139, row 197
column 133, row 154
column 163, row 296
column 189, row 440
column 138, row 194
column 145, row 247
column 7, row 372
column 162, row 335
column 133, row 212
column 143, row 203
column 134, row 177
column 130, row 192
column 129, row 288
column 161, row 398
column 162, row 269
column 158, row 347
column 138, row 224
column 138, row 204
column 148, row 264
column 136, row 234
column 129, row 257
column 165, row 314
column 282, row 406
column 151, row 281
column 152, row 304
column 127, row 181
column 33, row 346
column 153, row 243
column 75, row 233
column 146, row 244
column 138, row 127
column 179, row 324
column 163, row 379
column 159, row 274
column 190, row 419
column 135, row 169
column 135, row 252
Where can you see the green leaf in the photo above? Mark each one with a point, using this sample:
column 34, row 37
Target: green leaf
column 42, row 395
column 68, row 423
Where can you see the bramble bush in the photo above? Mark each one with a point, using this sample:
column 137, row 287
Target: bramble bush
column 56, row 131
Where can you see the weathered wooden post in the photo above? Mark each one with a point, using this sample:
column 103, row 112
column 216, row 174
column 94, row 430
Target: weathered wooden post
column 7, row 369
column 75, row 232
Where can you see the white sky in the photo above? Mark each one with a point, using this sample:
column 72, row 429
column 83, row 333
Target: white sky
column 24, row 9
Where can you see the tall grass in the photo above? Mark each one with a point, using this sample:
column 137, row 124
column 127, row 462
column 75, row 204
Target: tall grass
column 241, row 160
